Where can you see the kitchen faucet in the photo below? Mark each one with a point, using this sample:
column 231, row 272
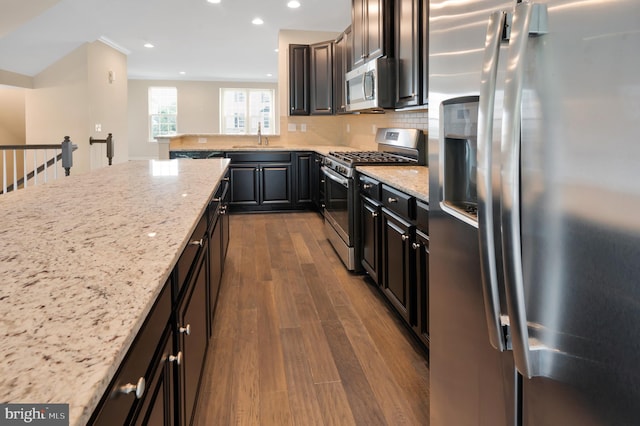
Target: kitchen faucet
column 259, row 134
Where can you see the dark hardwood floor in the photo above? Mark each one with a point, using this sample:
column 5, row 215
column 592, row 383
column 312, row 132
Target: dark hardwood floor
column 298, row 340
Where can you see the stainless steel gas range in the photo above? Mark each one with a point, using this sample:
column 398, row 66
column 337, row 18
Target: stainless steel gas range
column 342, row 208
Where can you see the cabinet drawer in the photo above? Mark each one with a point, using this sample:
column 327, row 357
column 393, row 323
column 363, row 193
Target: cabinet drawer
column 117, row 406
column 186, row 261
column 259, row 157
column 422, row 216
column 369, row 187
column 398, row 202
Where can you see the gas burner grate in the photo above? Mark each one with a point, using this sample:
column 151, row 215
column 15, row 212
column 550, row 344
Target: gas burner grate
column 369, row 157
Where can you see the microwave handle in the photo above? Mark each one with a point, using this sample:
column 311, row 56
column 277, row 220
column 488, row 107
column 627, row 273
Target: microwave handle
column 368, row 96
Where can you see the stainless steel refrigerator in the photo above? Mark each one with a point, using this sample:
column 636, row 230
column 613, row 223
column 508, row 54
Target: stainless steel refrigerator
column 534, row 162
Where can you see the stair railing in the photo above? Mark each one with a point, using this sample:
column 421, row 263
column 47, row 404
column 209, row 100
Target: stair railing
column 62, row 152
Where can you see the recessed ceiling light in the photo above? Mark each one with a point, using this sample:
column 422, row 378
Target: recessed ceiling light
column 276, row 50
column 257, row 21
column 269, row 75
column 293, row 4
column 182, row 72
column 148, row 45
column 214, row 1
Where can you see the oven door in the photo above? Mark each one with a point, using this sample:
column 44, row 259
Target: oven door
column 338, row 214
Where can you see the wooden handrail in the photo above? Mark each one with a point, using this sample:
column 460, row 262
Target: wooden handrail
column 27, row 147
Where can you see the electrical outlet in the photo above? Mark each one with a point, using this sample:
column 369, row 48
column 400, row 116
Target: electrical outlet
column 303, row 127
column 374, row 129
column 202, row 140
column 98, row 127
column 348, row 128
column 291, row 127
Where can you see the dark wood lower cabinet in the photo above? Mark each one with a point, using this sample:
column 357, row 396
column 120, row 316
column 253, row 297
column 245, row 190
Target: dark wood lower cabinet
column 159, row 406
column 169, row 352
column 371, row 220
column 398, row 262
column 395, row 250
column 421, row 256
column 261, row 186
column 193, row 337
column 275, row 184
column 245, row 184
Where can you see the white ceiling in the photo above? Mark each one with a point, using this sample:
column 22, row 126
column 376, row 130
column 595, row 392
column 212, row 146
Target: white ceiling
column 207, row 41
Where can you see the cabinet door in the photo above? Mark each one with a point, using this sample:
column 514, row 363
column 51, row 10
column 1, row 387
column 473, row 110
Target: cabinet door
column 397, row 262
column 375, row 26
column 244, row 184
column 159, row 405
column 424, row 48
column 121, row 401
column 321, row 82
column 224, row 213
column 193, row 338
column 340, row 66
column 304, row 166
column 298, row 79
column 215, row 265
column 421, row 256
column 407, row 52
column 358, row 29
column 371, row 220
column 276, row 184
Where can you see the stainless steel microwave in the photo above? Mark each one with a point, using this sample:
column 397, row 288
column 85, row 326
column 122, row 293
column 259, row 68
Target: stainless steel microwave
column 371, row 86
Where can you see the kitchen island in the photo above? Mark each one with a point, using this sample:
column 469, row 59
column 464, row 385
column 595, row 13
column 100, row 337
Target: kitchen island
column 82, row 261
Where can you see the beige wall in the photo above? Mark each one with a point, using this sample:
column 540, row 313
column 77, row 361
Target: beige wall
column 58, row 106
column 12, row 127
column 107, row 102
column 72, row 95
column 198, row 110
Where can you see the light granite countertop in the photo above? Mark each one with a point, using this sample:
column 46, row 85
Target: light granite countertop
column 82, row 260
column 413, row 180
column 320, row 149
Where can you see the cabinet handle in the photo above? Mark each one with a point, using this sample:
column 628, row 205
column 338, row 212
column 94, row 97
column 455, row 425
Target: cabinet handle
column 415, row 246
column 176, row 358
column 374, row 214
column 322, row 181
column 197, row 242
column 186, row 330
column 367, row 185
column 405, row 237
column 216, row 200
column 392, row 200
column 323, row 205
column 226, row 179
column 138, row 388
column 223, row 210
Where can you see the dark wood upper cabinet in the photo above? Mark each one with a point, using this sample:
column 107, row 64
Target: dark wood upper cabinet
column 299, row 79
column 321, row 78
column 425, row 52
column 407, row 52
column 341, row 64
column 371, row 23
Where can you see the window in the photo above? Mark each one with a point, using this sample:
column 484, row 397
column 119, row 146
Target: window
column 242, row 109
column 163, row 111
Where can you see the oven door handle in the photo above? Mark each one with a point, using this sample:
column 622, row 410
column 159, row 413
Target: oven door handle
column 335, row 176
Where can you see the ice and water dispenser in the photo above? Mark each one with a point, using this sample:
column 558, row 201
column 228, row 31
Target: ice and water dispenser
column 459, row 150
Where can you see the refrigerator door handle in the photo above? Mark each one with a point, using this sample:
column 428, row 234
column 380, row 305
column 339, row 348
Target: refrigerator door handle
column 529, row 18
column 486, row 225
